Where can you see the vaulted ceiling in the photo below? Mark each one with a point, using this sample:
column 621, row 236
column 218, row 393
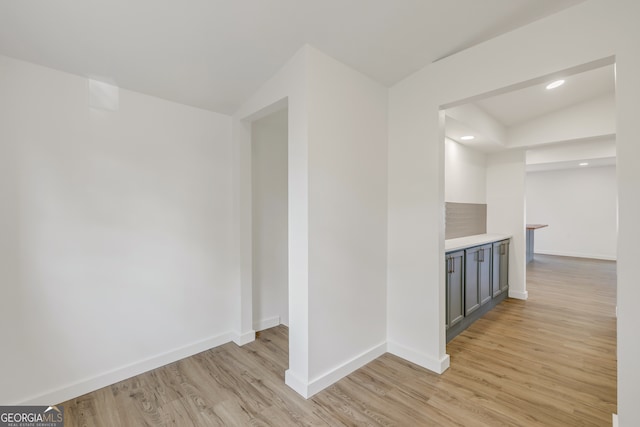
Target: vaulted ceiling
column 214, row 54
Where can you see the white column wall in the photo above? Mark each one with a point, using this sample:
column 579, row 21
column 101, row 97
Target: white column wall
column 415, row 279
column 287, row 88
column 506, row 173
column 337, row 216
column 347, row 220
column 628, row 153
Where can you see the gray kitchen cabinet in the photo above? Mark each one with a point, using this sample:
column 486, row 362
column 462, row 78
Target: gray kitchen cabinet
column 477, row 277
column 500, row 275
column 454, row 265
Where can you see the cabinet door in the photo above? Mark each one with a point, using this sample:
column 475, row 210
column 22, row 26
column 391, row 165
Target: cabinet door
column 504, row 266
column 454, row 263
column 484, row 273
column 500, row 279
column 471, row 285
column 496, row 263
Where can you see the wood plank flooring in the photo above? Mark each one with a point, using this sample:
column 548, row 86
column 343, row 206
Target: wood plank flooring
column 547, row 361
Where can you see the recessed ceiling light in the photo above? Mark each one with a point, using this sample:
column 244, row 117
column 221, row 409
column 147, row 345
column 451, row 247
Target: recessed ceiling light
column 584, row 164
column 467, row 137
column 555, row 84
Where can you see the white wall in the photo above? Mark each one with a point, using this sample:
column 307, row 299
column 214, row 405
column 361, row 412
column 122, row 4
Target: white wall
column 347, row 219
column 269, row 215
column 588, row 32
column 506, row 172
column 580, row 206
column 465, row 169
column 115, row 235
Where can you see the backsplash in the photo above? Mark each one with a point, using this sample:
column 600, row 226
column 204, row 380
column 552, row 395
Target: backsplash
column 465, row 219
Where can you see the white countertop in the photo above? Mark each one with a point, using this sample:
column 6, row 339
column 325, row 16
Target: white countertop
column 469, row 241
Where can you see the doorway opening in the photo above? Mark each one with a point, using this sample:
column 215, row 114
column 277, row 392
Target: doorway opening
column 269, row 223
column 536, row 153
column 527, row 155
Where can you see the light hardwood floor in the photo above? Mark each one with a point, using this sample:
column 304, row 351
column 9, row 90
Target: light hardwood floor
column 549, row 361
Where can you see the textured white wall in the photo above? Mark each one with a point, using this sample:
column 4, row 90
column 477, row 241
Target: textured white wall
column 116, row 229
column 465, row 170
column 270, row 212
column 580, row 206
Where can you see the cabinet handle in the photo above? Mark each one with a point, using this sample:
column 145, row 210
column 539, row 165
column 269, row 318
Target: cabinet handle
column 502, row 248
column 453, row 265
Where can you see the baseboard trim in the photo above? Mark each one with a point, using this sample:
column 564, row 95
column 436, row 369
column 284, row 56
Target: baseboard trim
column 296, row 383
column 263, row 324
column 433, row 364
column 615, row 420
column 576, row 255
column 321, row 382
column 308, row 389
column 524, row 295
column 244, row 338
column 88, row 385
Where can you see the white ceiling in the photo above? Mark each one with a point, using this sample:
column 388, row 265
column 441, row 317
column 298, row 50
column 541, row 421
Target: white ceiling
column 522, row 105
column 514, row 108
column 214, row 54
column 455, row 130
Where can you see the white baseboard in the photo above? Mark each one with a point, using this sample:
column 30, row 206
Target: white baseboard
column 308, row 389
column 325, row 380
column 263, row 324
column 576, row 255
column 296, row 383
column 615, row 420
column 73, row 390
column 433, row 364
column 244, row 338
column 518, row 294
